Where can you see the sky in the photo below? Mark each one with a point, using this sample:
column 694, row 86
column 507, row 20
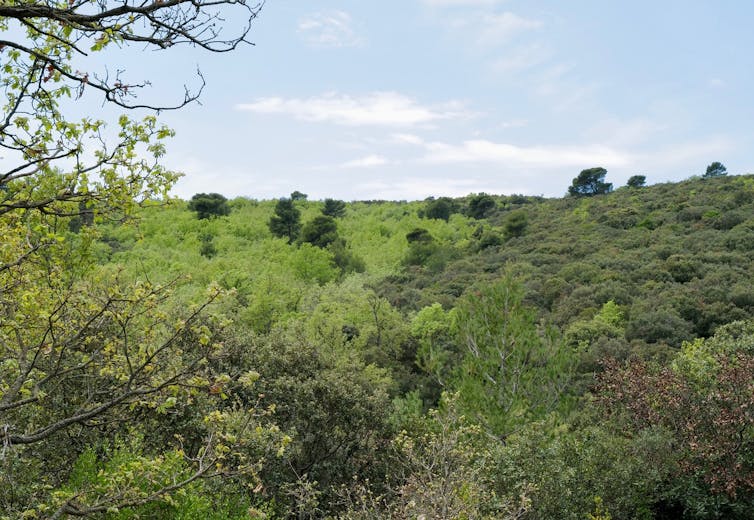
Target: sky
column 405, row 99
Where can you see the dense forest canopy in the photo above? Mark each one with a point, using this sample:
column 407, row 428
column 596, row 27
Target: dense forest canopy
column 546, row 350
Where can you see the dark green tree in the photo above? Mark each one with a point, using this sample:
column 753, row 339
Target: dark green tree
column 480, row 206
column 441, row 208
column 421, row 245
column 209, row 205
column 334, row 208
column 590, row 182
column 419, row 235
column 207, row 249
column 297, row 195
column 637, row 181
column 320, row 231
column 515, row 224
column 716, row 169
column 345, row 259
column 286, row 222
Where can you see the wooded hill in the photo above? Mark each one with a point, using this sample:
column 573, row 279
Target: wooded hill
column 480, row 357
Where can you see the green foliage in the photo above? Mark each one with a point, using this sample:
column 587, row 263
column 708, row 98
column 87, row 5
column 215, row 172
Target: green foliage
column 608, row 322
column 480, row 206
column 320, row 231
column 334, row 208
column 208, row 205
column 345, row 259
column 682, row 268
column 658, row 325
column 421, row 246
column 701, row 400
column 208, row 248
column 437, row 353
column 441, row 208
column 590, row 182
column 334, row 406
column 515, row 224
column 443, row 471
column 340, row 343
column 93, row 354
column 512, row 369
column 716, row 169
column 298, row 196
column 311, row 264
column 286, row 221
column 565, row 470
column 637, row 181
column 419, row 235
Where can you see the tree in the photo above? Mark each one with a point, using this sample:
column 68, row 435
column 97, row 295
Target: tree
column 637, row 181
column 286, row 222
column 136, row 361
column 334, row 208
column 480, row 206
column 716, row 169
column 512, row 370
column 441, row 208
column 297, row 195
column 590, row 182
column 208, row 205
column 515, row 224
column 703, row 401
column 334, row 404
column 91, row 359
column 42, row 38
column 419, row 235
column 321, row 231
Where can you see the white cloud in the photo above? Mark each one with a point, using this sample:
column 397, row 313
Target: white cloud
column 483, row 151
column 329, row 29
column 366, row 162
column 375, row 109
column 489, row 29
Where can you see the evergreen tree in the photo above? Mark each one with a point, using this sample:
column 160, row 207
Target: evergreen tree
column 286, row 222
column 716, row 169
column 334, row 208
column 441, row 209
column 208, row 205
column 637, row 181
column 321, row 231
column 480, row 206
column 590, row 182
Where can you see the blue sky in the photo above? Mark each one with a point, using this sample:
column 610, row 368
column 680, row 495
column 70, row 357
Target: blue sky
column 411, row 98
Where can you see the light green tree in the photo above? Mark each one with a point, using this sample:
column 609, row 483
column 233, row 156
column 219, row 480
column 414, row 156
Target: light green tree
column 514, row 369
column 87, row 356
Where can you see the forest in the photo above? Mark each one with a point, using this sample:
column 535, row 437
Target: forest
column 588, row 356
column 489, row 356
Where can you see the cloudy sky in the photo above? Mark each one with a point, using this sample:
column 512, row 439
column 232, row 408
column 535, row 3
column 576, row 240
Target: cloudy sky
column 403, row 99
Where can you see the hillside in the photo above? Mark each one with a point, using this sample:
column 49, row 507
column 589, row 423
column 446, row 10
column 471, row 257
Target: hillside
column 480, row 357
column 675, row 258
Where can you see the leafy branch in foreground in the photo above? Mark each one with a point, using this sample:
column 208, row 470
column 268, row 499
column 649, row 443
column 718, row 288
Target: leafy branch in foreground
column 92, row 361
